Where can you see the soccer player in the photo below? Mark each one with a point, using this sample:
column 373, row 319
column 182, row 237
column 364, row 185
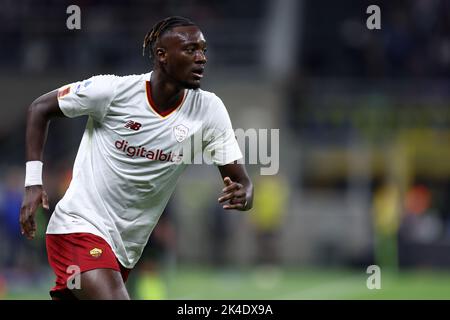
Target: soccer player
column 128, row 162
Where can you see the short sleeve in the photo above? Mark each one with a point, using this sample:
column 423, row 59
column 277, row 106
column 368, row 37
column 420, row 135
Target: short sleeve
column 221, row 145
column 89, row 97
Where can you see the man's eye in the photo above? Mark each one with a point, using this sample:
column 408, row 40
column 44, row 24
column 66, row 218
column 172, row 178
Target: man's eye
column 190, row 50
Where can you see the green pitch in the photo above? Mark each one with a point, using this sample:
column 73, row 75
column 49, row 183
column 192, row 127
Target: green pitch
column 308, row 284
column 290, row 284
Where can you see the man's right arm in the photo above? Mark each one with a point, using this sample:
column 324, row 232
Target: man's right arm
column 38, row 118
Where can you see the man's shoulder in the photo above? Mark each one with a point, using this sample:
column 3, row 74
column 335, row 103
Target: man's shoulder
column 109, row 79
column 131, row 78
column 128, row 77
column 124, row 84
column 206, row 96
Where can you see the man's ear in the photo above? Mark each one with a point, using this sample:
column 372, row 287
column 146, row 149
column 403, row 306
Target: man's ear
column 161, row 55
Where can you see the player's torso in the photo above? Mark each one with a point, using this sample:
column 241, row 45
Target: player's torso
column 138, row 141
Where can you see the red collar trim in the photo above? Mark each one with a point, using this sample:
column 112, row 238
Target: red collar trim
column 155, row 108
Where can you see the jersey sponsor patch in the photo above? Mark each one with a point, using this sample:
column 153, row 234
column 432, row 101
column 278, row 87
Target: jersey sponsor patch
column 83, row 85
column 157, row 155
column 180, row 132
column 63, row 92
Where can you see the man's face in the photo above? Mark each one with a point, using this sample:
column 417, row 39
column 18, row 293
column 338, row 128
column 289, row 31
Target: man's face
column 183, row 58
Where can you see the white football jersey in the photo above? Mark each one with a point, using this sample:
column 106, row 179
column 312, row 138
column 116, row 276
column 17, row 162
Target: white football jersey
column 131, row 156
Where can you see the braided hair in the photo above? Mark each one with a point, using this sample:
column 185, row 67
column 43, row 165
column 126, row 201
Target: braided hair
column 159, row 29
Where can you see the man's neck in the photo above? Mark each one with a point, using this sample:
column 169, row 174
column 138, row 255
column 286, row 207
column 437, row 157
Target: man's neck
column 165, row 93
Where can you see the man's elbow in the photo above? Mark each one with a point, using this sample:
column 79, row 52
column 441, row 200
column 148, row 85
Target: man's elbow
column 37, row 111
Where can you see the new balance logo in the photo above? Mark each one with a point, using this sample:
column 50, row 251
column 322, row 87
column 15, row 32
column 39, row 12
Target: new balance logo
column 133, row 125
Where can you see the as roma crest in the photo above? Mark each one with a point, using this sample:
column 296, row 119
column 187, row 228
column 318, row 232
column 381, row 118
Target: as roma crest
column 180, row 132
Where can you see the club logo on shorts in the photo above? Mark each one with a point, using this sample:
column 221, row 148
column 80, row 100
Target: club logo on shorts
column 96, row 252
column 180, row 132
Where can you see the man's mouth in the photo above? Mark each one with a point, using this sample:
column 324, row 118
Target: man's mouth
column 198, row 73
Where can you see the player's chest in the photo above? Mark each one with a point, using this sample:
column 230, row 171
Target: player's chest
column 142, row 127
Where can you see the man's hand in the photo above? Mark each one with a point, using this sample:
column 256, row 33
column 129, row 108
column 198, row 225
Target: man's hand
column 33, row 198
column 234, row 193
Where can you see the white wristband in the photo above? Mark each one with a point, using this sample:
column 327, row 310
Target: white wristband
column 33, row 173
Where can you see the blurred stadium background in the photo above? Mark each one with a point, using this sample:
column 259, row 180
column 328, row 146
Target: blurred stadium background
column 364, row 119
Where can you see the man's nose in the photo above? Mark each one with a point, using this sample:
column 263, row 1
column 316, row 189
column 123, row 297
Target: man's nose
column 200, row 57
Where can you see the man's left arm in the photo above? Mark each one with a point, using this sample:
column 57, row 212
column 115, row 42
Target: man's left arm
column 238, row 191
